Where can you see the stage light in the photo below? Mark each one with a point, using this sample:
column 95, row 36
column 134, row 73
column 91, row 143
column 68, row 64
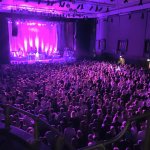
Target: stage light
column 55, row 49
column 37, row 42
column 78, row 6
column 30, row 42
column 37, row 55
column 96, row 8
column 107, row 9
column 148, row 60
column 100, row 9
column 50, row 49
column 46, row 49
column 42, row 45
column 25, row 45
column 91, row 8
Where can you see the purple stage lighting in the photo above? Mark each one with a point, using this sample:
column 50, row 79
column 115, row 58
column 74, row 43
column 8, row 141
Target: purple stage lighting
column 34, row 40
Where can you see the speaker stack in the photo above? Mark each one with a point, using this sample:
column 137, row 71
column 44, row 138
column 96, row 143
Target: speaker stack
column 14, row 29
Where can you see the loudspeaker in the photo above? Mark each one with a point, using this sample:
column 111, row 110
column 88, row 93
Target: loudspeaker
column 14, row 29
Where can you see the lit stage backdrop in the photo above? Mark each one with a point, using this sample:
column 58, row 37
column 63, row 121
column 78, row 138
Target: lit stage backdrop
column 32, row 40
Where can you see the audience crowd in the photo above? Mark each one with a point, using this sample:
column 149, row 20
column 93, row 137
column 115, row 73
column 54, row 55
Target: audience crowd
column 87, row 101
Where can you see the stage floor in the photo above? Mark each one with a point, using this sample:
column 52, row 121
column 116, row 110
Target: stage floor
column 52, row 60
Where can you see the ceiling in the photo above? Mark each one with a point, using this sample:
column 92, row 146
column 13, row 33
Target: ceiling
column 73, row 8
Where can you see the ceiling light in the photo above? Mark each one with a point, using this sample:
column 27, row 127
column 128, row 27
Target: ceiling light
column 81, row 6
column 91, row 8
column 100, row 9
column 96, row 8
column 78, row 6
column 107, row 9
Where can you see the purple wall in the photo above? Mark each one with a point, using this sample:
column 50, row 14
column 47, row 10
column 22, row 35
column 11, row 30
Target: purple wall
column 148, row 26
column 113, row 33
column 121, row 27
column 101, row 32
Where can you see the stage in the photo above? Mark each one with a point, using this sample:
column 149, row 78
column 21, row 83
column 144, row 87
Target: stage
column 50, row 60
column 40, row 42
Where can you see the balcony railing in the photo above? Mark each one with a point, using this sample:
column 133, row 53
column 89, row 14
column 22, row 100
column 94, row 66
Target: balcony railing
column 61, row 139
column 103, row 144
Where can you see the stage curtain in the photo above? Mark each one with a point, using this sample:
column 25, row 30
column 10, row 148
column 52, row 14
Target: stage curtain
column 4, row 41
column 61, row 42
column 65, row 32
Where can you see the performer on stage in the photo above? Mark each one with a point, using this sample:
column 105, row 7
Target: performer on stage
column 40, row 50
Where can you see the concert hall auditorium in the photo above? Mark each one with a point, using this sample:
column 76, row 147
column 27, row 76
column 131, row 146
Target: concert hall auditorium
column 74, row 74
